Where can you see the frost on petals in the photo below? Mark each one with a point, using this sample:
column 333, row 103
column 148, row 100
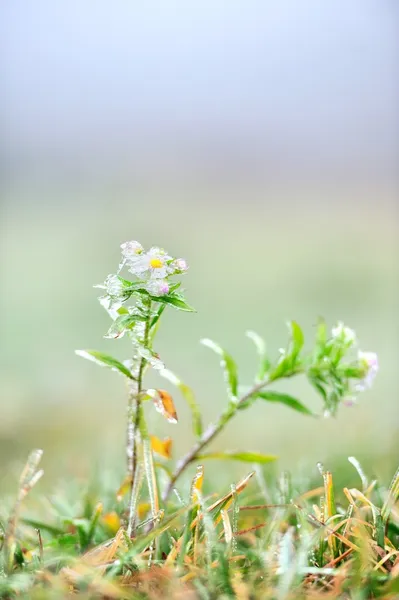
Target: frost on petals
column 131, row 249
column 179, row 265
column 113, row 285
column 153, row 264
column 368, row 361
column 343, row 334
column 158, row 287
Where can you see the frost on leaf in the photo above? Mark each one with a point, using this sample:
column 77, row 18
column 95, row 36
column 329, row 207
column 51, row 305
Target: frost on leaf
column 164, row 404
column 151, row 357
column 196, row 485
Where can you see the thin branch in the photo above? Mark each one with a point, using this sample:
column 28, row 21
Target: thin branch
column 209, row 434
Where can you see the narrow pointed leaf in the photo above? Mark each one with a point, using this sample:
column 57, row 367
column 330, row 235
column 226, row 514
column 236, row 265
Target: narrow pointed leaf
column 175, row 300
column 286, row 399
column 261, row 349
column 226, row 501
column 228, row 365
column 251, row 457
column 155, row 319
column 330, row 508
column 197, row 483
column 151, row 478
column 192, row 521
column 124, row 487
column 392, row 497
column 321, row 338
column 315, row 382
column 289, row 359
column 297, row 338
column 188, row 395
column 104, row 360
column 142, row 541
column 164, row 404
column 123, row 323
column 353, row 460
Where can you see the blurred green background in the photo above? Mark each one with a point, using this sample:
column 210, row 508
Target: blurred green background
column 242, row 139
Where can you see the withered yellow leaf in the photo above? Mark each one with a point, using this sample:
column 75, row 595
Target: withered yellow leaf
column 164, row 404
column 124, row 488
column 161, row 447
column 143, row 508
column 112, row 521
column 197, row 482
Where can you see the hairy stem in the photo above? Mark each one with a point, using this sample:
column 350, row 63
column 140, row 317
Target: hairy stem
column 209, row 434
column 134, row 404
column 130, row 447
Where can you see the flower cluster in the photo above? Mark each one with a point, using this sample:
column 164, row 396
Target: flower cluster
column 366, row 365
column 338, row 369
column 153, row 267
column 369, row 363
column 343, row 334
column 151, row 287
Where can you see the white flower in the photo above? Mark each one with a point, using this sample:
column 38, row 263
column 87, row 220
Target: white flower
column 369, row 361
column 131, row 249
column 179, row 265
column 344, row 334
column 153, row 264
column 157, row 287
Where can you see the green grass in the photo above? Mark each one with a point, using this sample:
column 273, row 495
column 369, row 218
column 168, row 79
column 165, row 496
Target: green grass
column 266, row 536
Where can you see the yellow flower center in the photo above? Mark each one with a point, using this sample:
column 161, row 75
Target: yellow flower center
column 155, row 263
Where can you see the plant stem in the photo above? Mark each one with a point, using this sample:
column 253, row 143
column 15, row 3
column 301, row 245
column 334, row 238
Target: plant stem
column 130, row 446
column 133, row 427
column 211, row 432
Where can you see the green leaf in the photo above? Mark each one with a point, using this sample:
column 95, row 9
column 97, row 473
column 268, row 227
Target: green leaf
column 318, row 385
column 129, row 284
column 286, row 399
column 189, row 397
column 140, row 542
column 229, row 367
column 353, row 460
column 261, row 349
column 104, row 360
column 175, row 300
column 122, row 324
column 392, row 497
column 288, row 361
column 174, row 286
column 297, row 338
column 330, row 509
column 51, row 529
column 154, row 324
column 127, row 288
column 321, row 338
column 250, row 457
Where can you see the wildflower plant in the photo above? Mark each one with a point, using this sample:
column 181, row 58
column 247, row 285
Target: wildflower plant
column 288, row 541
column 136, row 306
